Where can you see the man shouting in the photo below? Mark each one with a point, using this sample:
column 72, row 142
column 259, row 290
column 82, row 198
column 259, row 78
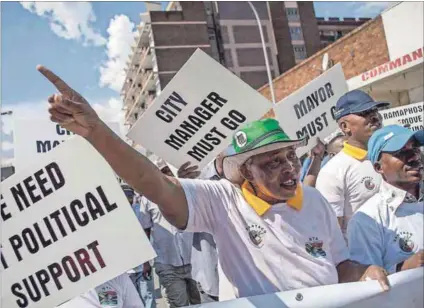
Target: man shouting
column 272, row 234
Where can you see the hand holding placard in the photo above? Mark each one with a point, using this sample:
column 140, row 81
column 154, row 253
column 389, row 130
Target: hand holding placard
column 69, row 108
column 187, row 172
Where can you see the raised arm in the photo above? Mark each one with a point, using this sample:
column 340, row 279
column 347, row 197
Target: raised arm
column 73, row 112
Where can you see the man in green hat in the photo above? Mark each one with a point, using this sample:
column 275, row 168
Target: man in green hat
column 272, row 233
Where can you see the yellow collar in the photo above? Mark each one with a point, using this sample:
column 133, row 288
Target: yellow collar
column 355, row 152
column 261, row 207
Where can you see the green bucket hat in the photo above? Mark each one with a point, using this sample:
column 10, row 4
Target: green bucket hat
column 255, row 138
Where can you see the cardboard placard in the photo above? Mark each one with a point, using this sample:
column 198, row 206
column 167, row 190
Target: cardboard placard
column 411, row 116
column 66, row 227
column 33, row 137
column 198, row 112
column 309, row 112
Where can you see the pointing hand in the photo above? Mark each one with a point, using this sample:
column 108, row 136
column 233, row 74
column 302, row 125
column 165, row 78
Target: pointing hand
column 69, row 108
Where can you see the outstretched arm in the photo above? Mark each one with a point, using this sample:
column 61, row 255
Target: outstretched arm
column 73, row 112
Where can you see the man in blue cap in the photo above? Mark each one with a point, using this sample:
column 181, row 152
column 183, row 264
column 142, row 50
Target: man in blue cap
column 349, row 179
column 388, row 229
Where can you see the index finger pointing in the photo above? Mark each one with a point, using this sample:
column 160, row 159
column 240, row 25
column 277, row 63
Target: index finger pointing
column 54, row 79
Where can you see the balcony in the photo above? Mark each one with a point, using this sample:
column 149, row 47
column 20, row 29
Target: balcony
column 141, row 60
column 146, row 61
column 142, row 39
column 144, row 97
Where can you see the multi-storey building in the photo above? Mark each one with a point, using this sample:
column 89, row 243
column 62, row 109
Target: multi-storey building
column 227, row 31
column 334, row 28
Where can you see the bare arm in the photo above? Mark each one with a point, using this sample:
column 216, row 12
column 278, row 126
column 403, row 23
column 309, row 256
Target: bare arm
column 314, row 168
column 141, row 174
column 73, row 112
column 317, row 154
column 350, row 271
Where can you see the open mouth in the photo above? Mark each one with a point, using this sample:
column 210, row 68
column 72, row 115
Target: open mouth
column 289, row 184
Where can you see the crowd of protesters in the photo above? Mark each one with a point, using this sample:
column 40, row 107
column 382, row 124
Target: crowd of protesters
column 255, row 221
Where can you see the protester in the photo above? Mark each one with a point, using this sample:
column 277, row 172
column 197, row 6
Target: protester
column 314, row 162
column 204, row 256
column 349, row 179
column 173, row 249
column 273, row 235
column 335, row 145
column 214, row 171
column 319, row 157
column 117, row 293
column 204, row 260
column 388, row 229
column 141, row 276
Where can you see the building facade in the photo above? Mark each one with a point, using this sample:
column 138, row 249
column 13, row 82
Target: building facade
column 383, row 57
column 333, row 28
column 227, row 31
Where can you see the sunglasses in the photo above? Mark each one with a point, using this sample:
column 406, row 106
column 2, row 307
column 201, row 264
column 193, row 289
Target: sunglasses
column 367, row 113
column 406, row 154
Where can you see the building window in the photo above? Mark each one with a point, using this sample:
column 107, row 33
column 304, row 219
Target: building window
column 292, row 14
column 296, row 33
column 299, row 52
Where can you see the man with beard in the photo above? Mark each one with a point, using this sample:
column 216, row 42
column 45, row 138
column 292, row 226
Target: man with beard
column 349, row 179
column 388, row 229
column 272, row 233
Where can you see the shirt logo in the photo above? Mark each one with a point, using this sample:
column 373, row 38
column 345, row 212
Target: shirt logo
column 108, row 297
column 368, row 182
column 241, row 139
column 256, row 234
column 405, row 242
column 314, row 248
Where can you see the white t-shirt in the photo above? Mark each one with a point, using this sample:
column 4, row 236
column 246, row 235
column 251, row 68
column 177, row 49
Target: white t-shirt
column 172, row 246
column 281, row 249
column 116, row 293
column 387, row 229
column 347, row 182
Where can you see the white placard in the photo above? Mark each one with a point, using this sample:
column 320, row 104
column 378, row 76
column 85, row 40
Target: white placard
column 66, row 226
column 309, row 112
column 196, row 115
column 33, row 137
column 411, row 116
column 406, row 291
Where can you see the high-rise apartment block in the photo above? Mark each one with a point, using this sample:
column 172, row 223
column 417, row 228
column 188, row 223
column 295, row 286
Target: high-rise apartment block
column 227, row 31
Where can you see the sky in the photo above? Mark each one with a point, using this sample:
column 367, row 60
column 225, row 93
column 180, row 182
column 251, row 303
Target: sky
column 87, row 44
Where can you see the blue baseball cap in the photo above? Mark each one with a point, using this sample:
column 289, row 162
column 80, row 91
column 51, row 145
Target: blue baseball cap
column 391, row 138
column 354, row 102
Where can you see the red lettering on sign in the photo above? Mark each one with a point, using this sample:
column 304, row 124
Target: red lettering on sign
column 383, row 68
column 386, row 67
column 417, row 54
column 406, row 59
column 396, row 63
column 365, row 76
